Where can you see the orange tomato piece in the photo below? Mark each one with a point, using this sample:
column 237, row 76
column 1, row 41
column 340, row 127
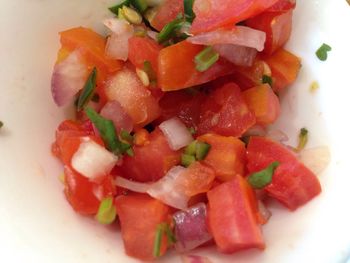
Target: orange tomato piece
column 263, row 102
column 166, row 12
column 226, row 155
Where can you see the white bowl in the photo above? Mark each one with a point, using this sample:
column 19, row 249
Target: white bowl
column 38, row 225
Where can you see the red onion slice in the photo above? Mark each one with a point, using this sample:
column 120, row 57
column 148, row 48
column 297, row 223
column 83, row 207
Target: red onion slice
column 131, row 185
column 92, row 160
column 117, row 46
column 68, row 78
column 176, row 133
column 238, row 55
column 240, row 35
column 190, row 228
column 112, row 110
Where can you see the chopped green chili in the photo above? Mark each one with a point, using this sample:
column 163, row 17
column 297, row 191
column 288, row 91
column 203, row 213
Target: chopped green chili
column 202, row 149
column 88, row 90
column 205, row 59
column 115, row 9
column 303, row 139
column 106, row 212
column 322, row 52
column 267, row 80
column 188, row 8
column 187, row 160
column 263, row 178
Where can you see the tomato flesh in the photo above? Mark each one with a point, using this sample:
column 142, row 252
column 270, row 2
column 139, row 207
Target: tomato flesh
column 232, row 216
column 292, row 184
column 139, row 216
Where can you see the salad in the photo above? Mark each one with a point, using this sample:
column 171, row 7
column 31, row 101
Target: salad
column 171, row 138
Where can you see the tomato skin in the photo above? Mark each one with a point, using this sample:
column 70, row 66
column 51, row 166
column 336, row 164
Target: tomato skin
column 232, row 216
column 139, row 217
column 143, row 49
column 177, row 69
column 167, row 12
column 151, row 161
column 80, row 192
column 226, row 156
column 183, row 105
column 292, row 184
column 285, row 67
column 126, row 88
column 263, row 102
column 276, row 25
column 225, row 112
column 213, row 14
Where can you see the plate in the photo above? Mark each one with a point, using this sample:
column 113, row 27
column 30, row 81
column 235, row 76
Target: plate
column 37, row 224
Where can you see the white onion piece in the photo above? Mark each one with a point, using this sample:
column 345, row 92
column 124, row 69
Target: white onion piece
column 152, row 34
column 68, row 78
column 316, row 159
column 117, row 46
column 238, row 55
column 240, row 35
column 92, row 160
column 113, row 111
column 194, row 259
column 176, row 133
column 166, row 189
column 277, row 135
column 191, row 228
column 264, row 212
column 256, row 130
column 131, row 185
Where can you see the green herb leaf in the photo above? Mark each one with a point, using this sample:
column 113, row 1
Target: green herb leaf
column 107, row 131
column 187, row 160
column 126, row 136
column 169, row 30
column 263, row 178
column 170, row 235
column 88, row 90
column 202, row 149
column 267, row 80
column 158, row 240
column 106, row 212
column 303, row 139
column 321, row 53
column 205, row 59
column 115, row 9
column 188, row 8
column 140, row 5
column 130, row 152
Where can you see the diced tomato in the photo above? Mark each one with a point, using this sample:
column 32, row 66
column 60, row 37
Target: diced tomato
column 139, row 216
column 126, row 88
column 225, row 112
column 198, row 178
column 284, row 67
column 226, row 155
column 263, row 102
column 212, row 14
column 282, row 5
column 150, row 161
column 276, row 25
column 182, row 104
column 232, row 216
column 143, row 49
column 83, row 195
column 93, row 47
column 166, row 12
column 177, row 69
column 292, row 184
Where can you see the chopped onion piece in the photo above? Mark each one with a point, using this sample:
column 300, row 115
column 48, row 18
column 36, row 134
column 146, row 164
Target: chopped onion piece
column 132, row 186
column 117, row 46
column 152, row 34
column 68, row 78
column 264, row 212
column 191, row 228
column 240, row 35
column 316, row 159
column 176, row 133
column 195, row 259
column 113, row 111
column 238, row 55
column 92, row 160
column 167, row 191
column 256, row 130
column 277, row 135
